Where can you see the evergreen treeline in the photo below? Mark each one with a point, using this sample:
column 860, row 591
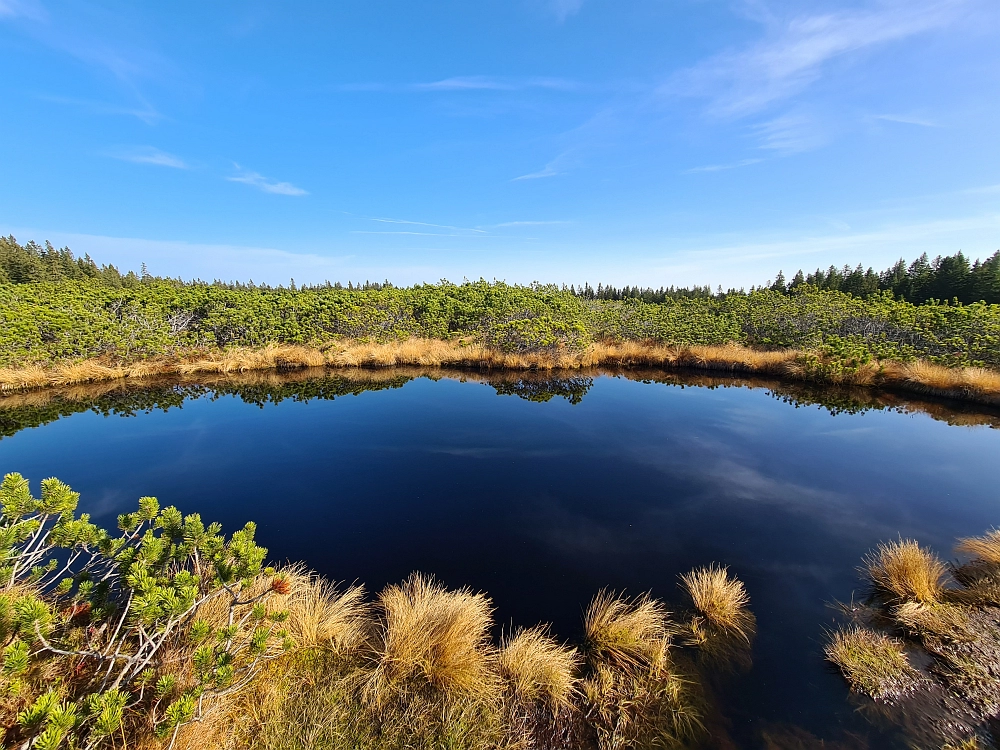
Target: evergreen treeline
column 32, row 263
column 646, row 294
column 946, row 277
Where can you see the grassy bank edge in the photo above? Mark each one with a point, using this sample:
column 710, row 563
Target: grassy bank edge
column 974, row 384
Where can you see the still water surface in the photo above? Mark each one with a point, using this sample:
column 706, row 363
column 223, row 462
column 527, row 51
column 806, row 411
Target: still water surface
column 541, row 503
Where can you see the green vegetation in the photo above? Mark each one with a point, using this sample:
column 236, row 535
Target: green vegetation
column 925, row 645
column 944, row 278
column 54, row 309
column 167, row 633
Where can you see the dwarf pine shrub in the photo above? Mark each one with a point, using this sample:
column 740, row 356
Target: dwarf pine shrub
column 133, row 630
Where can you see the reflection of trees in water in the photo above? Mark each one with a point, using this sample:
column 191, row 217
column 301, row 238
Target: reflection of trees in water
column 19, row 411
column 572, row 389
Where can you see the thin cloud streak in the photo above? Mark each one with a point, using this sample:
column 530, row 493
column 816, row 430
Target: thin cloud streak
column 723, row 167
column 148, row 155
column 465, row 83
column 548, row 171
column 527, row 223
column 790, row 134
column 146, row 113
column 420, row 234
column 421, row 224
column 257, row 180
column 908, row 120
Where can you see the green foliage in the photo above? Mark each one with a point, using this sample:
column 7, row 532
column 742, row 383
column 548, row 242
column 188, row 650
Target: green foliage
column 55, row 321
column 140, row 593
column 54, row 308
column 944, row 278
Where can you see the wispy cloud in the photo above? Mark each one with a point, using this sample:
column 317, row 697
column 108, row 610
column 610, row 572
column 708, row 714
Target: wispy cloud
column 467, row 83
column 257, row 180
column 723, row 167
column 549, row 170
column 422, row 224
column 906, row 120
column 527, row 223
column 563, row 9
column 27, row 9
column 419, row 234
column 794, row 52
column 145, row 112
column 790, row 134
column 147, row 155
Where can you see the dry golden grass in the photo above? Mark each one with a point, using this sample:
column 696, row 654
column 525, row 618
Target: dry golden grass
column 628, row 633
column 321, row 616
column 539, row 669
column 941, row 620
column 872, row 662
column 430, row 635
column 905, row 571
column 18, row 378
column 972, row 383
column 270, row 357
column 959, row 381
column 721, row 599
column 985, row 547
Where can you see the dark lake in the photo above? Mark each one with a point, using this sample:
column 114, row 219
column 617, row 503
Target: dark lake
column 541, row 491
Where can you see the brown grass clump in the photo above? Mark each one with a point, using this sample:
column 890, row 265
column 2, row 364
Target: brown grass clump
column 906, row 572
column 738, row 358
column 320, row 616
column 872, row 662
column 539, row 669
column 924, row 375
column 430, row 635
column 985, row 547
column 628, row 633
column 270, row 357
column 633, row 695
column 938, row 620
column 721, row 599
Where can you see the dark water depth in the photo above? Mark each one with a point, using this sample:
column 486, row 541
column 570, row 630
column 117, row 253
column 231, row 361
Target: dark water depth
column 542, row 492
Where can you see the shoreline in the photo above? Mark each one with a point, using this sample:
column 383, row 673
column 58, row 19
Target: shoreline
column 969, row 384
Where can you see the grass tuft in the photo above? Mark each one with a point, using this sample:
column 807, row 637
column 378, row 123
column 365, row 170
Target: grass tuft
column 905, row 571
column 872, row 662
column 985, row 547
column 539, row 669
column 720, row 599
column 428, row 635
column 628, row 633
column 321, row 616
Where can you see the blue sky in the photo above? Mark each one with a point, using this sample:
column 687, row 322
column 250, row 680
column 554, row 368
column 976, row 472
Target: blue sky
column 638, row 141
